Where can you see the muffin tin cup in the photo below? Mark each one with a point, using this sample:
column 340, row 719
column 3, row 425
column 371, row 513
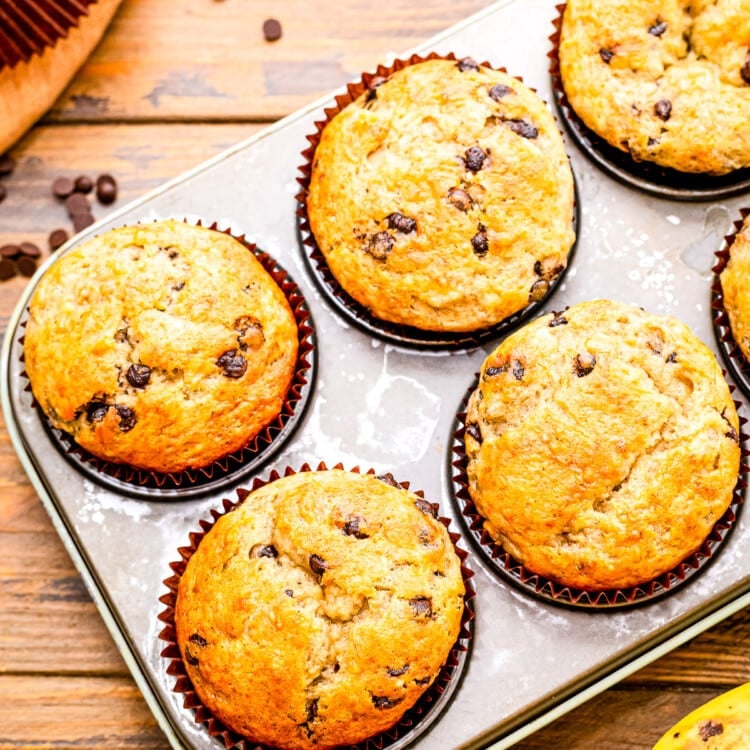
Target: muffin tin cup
column 347, row 306
column 189, row 483
column 733, row 357
column 647, row 176
column 507, row 568
column 415, row 722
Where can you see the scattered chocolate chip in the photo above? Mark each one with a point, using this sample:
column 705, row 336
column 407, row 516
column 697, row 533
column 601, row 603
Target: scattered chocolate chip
column 422, row 606
column 523, row 128
column 271, row 30
column 232, row 363
column 62, row 187
column 460, row 199
column 30, row 250
column 606, row 55
column 398, row 672
column 663, row 109
column 380, row 245
column 7, row 269
column 426, row 507
column 127, row 417
column 106, row 189
column 584, row 364
column 26, row 266
column 83, row 184
column 11, row 250
column 517, row 369
column 709, row 728
column 383, row 701
column 318, row 565
column 82, row 220
column 199, row 639
column 3, row 193
column 467, row 64
column 57, row 238
column 558, row 320
column 474, row 158
column 190, row 658
column 138, row 375
column 96, row 411
column 658, row 28
column 499, row 90
column 473, row 429
column 264, row 550
column 77, row 203
column 401, row 223
column 7, row 164
column 479, row 242
column 671, row 358
column 539, row 290
column 352, row 528
column 745, row 69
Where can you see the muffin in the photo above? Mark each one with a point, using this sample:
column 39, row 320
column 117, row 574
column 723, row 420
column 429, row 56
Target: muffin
column 162, row 346
column 602, row 445
column 319, row 610
column 666, row 82
column 736, row 295
column 441, row 197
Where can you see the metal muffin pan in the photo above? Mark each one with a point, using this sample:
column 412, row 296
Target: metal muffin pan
column 378, row 405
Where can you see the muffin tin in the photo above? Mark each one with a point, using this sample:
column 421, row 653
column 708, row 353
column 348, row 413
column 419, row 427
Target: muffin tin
column 393, row 408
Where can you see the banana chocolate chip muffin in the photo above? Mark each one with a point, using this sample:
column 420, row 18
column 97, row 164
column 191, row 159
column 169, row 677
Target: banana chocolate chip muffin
column 442, row 197
column 667, row 82
column 602, row 445
column 319, row 610
column 162, row 346
column 734, row 287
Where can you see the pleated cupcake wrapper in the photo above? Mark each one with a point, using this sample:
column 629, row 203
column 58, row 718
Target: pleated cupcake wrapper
column 506, row 567
column 179, row 485
column 29, row 27
column 346, row 305
column 735, row 360
column 411, row 725
column 647, row 176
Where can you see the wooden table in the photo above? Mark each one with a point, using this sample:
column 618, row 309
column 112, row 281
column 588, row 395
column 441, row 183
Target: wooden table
column 172, row 83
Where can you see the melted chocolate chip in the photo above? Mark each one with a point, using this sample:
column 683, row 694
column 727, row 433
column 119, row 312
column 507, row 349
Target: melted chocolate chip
column 426, row 507
column 318, row 565
column 199, row 639
column 264, row 550
column 479, row 242
column 249, row 332
column 474, row 158
column 96, row 411
column 127, row 417
column 380, row 245
column 606, row 55
column 490, row 372
column 658, row 28
column 383, row 701
column 473, row 429
column 232, row 363
column 663, row 109
column 398, row 672
column 375, row 83
column 459, row 199
column 583, row 364
column 467, row 64
column 138, row 375
column 558, row 320
column 401, row 223
column 190, row 658
column 671, row 358
column 709, row 728
column 422, row 606
column 539, row 290
column 351, row 528
column 745, row 70
column 517, row 369
column 289, row 592
column 523, row 128
column 498, row 91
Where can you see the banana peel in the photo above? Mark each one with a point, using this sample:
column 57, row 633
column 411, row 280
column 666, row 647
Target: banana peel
column 722, row 723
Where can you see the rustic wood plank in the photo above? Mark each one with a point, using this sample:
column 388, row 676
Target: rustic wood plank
column 215, row 64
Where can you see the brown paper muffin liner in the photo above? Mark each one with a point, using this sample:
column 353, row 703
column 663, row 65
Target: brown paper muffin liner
column 415, row 722
column 506, row 567
column 647, row 176
column 347, row 306
column 733, row 357
column 28, row 27
column 180, row 485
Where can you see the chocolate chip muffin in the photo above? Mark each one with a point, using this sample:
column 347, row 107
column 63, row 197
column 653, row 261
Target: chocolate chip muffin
column 666, row 82
column 442, row 198
column 320, row 609
column 736, row 295
column 162, row 346
column 602, row 445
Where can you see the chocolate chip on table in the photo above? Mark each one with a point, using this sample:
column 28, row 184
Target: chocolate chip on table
column 606, row 55
column 30, row 250
column 26, row 265
column 106, row 189
column 57, row 238
column 83, row 184
column 380, row 245
column 7, row 164
column 232, row 363
column 11, row 251
column 138, row 375
column 271, row 30
column 663, row 109
column 480, row 242
column 584, row 364
column 474, row 158
column 7, row 269
column 82, row 220
column 745, row 70
column 77, row 203
column 499, row 90
column 318, row 565
column 401, row 223
column 523, row 128
column 658, row 28
column 467, row 64
column 62, row 187
column 459, row 199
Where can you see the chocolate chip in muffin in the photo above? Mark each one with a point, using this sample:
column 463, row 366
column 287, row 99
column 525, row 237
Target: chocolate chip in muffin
column 401, row 223
column 312, row 710
column 96, row 410
column 264, row 550
column 710, row 728
column 127, row 417
column 372, row 89
column 467, row 64
column 473, row 429
column 318, row 565
column 584, row 363
column 190, row 658
column 383, row 701
column 198, row 639
column 558, row 319
column 539, row 290
column 379, row 245
column 523, row 128
column 548, row 268
column 745, row 69
column 731, row 433
column 426, row 507
column 480, row 242
column 517, row 369
column 657, row 28
column 138, row 375
column 459, row 199
column 663, row 109
column 397, row 672
column 352, row 528
column 422, row 606
column 388, row 479
column 475, row 158
column 490, row 372
column 250, row 332
column 233, row 364
column 671, row 358
column 606, row 55
column 498, row 91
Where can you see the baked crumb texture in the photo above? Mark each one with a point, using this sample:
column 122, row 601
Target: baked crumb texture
column 602, row 445
column 442, row 197
column 666, row 82
column 319, row 610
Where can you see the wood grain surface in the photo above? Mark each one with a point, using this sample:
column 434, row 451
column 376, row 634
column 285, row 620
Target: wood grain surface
column 171, row 84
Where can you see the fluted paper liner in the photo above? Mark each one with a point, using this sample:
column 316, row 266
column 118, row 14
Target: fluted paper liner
column 412, row 724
